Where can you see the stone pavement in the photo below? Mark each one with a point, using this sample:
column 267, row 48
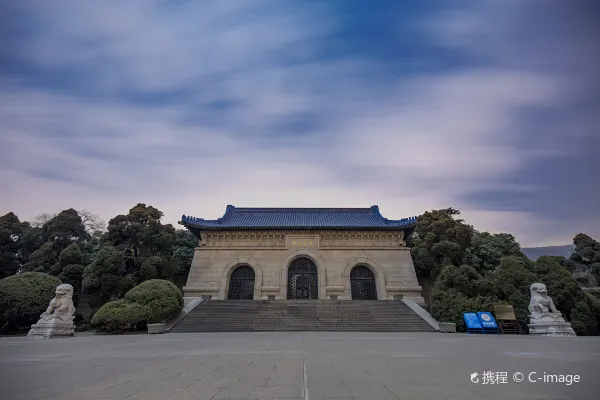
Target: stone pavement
column 289, row 365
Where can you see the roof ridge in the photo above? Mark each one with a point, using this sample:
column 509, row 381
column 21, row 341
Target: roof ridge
column 299, row 209
column 300, row 218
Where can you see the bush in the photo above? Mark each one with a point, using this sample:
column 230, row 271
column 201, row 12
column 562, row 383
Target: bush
column 594, row 305
column 150, row 302
column 121, row 316
column 583, row 320
column 562, row 288
column 463, row 289
column 148, row 271
column 72, row 274
column 511, row 282
column 464, row 279
column 162, row 297
column 449, row 306
column 23, row 297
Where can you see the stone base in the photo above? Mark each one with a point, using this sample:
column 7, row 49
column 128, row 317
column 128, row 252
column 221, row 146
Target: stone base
column 54, row 327
column 157, row 328
column 551, row 329
column 447, row 327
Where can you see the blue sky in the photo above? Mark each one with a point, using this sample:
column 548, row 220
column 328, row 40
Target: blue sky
column 490, row 107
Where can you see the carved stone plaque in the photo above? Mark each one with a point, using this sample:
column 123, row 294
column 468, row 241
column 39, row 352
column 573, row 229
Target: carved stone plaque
column 244, row 239
column 362, row 239
column 303, row 241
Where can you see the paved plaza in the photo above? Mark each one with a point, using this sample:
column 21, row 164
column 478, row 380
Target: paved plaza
column 293, row 365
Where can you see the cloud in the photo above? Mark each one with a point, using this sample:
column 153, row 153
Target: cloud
column 192, row 107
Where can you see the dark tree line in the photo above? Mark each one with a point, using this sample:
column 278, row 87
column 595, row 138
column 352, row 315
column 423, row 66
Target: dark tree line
column 101, row 262
column 472, row 271
column 468, row 270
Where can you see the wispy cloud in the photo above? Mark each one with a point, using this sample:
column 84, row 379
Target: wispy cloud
column 191, row 106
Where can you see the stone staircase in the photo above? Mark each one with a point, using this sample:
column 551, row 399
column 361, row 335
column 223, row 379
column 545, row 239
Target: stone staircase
column 302, row 315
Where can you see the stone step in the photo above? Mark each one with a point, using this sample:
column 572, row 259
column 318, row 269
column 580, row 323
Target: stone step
column 278, row 329
column 311, row 315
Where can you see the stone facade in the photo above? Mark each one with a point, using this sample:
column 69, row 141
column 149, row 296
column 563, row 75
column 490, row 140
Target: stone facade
column 334, row 252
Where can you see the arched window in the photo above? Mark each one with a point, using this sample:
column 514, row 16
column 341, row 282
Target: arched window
column 362, row 283
column 241, row 284
column 302, row 279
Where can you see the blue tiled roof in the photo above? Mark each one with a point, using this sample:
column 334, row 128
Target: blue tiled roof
column 299, row 219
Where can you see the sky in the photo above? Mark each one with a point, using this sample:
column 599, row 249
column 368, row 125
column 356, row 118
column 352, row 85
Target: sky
column 490, row 107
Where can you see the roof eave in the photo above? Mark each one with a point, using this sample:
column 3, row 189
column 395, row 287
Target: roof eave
column 298, row 228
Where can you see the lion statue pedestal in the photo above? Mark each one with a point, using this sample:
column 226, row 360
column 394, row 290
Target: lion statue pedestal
column 545, row 319
column 57, row 320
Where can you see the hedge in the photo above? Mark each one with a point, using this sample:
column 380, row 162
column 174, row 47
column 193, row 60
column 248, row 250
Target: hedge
column 151, row 301
column 162, row 297
column 23, row 298
column 121, row 316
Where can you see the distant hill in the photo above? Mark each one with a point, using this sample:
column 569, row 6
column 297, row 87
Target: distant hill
column 533, row 253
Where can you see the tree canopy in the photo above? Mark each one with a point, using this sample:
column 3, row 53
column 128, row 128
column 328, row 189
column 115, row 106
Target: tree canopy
column 438, row 240
column 469, row 270
column 101, row 264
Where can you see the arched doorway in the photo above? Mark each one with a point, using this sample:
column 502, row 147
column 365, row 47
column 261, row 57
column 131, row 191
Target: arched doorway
column 362, row 283
column 302, row 279
column 241, row 284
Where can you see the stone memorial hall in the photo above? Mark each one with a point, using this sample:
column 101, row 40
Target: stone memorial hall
column 302, row 253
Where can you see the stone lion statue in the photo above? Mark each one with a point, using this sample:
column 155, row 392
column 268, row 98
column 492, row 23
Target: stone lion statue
column 62, row 303
column 544, row 318
column 540, row 301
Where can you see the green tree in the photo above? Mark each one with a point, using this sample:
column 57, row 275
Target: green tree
column 92, row 247
column 29, row 242
column 42, row 259
column 564, row 290
column 183, row 254
column 73, row 275
column 510, row 282
column 464, row 279
column 108, row 276
column 567, row 295
column 583, row 320
column 487, row 250
column 11, row 230
column 140, row 235
column 18, row 240
column 458, row 290
column 70, row 255
column 65, row 228
column 438, row 240
column 586, row 256
column 69, row 268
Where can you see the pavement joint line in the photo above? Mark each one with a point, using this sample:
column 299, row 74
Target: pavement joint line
column 306, row 395
column 392, row 393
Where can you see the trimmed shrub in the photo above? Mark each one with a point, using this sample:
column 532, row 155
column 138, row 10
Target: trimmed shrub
column 162, row 297
column 121, row 316
column 23, row 297
column 150, row 302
